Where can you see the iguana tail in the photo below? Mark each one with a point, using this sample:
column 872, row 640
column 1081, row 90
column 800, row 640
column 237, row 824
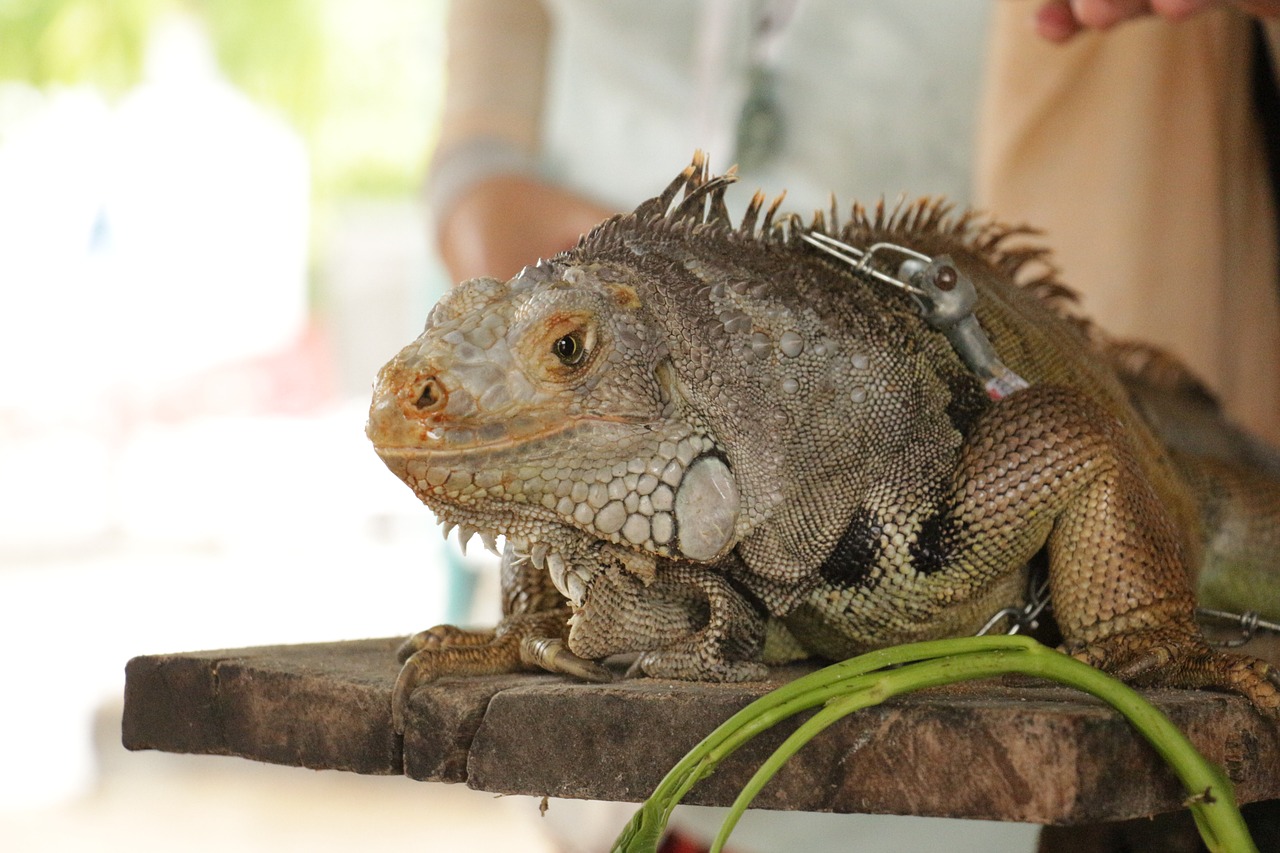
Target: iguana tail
column 1240, row 509
column 1234, row 476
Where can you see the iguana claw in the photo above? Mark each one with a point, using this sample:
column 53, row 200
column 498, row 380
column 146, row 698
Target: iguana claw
column 552, row 655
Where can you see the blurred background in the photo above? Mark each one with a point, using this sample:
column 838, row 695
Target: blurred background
column 209, row 242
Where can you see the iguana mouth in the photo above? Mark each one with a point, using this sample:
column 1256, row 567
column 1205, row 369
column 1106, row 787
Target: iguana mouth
column 396, row 435
column 463, row 438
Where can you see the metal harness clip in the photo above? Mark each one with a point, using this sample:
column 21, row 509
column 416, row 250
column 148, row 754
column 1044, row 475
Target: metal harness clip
column 946, row 298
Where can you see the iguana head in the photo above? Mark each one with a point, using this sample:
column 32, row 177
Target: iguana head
column 540, row 409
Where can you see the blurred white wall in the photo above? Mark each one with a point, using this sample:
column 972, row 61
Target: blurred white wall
column 182, row 456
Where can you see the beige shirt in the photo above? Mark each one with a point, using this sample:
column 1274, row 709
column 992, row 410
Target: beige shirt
column 611, row 99
column 1137, row 153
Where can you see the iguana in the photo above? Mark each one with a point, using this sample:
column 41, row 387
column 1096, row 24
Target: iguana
column 713, row 446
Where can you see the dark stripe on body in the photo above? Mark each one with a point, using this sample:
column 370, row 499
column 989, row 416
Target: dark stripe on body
column 850, row 563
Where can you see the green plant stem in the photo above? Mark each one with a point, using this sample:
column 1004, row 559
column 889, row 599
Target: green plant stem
column 859, row 683
column 644, row 830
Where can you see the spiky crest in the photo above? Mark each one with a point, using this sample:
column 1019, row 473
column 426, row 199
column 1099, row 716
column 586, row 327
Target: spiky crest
column 1156, row 368
column 748, row 226
column 695, row 200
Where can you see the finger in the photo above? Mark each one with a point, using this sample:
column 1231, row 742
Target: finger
column 1055, row 22
column 1105, row 14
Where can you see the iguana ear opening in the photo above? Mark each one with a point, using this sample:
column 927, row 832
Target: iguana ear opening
column 706, row 508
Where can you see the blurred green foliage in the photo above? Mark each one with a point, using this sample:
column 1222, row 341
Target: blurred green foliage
column 360, row 81
column 45, row 42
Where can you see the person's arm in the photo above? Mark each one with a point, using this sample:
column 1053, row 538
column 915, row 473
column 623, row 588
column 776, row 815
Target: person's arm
column 499, row 224
column 492, row 212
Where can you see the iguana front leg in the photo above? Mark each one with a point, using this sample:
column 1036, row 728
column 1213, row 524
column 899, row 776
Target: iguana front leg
column 687, row 622
column 1048, row 465
column 531, row 636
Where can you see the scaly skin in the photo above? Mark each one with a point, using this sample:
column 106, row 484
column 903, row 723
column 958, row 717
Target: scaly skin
column 692, row 435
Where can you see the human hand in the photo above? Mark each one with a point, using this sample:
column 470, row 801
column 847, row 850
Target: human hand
column 502, row 223
column 1060, row 20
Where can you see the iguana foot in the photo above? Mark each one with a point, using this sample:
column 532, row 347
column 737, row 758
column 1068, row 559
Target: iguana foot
column 525, row 642
column 1172, row 657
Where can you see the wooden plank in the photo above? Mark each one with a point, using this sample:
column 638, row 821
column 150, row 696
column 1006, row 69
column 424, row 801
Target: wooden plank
column 324, row 706
column 1016, row 752
column 1031, row 754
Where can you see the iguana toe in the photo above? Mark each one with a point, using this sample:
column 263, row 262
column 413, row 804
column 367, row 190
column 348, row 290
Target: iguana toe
column 441, row 636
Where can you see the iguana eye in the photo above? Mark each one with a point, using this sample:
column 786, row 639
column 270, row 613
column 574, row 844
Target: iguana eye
column 569, row 349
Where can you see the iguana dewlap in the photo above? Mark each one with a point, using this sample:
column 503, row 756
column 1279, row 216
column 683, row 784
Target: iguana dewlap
column 693, row 433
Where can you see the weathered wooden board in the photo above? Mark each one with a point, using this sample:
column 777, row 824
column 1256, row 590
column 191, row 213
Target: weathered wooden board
column 1017, row 752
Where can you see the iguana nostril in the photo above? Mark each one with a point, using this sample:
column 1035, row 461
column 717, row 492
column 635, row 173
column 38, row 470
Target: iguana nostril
column 432, row 397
